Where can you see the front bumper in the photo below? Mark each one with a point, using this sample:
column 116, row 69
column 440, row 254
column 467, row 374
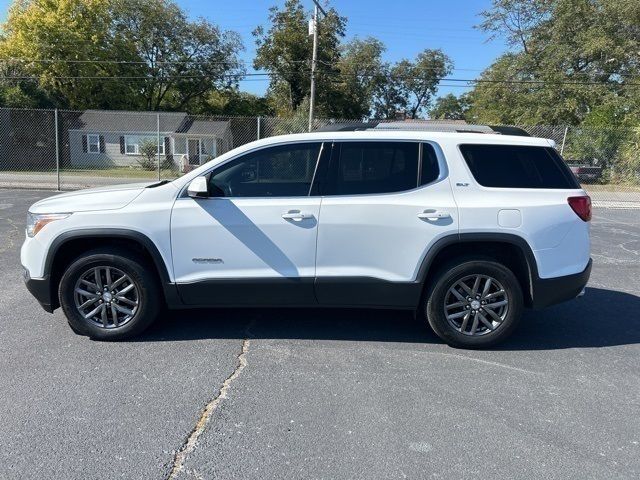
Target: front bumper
column 550, row 291
column 41, row 289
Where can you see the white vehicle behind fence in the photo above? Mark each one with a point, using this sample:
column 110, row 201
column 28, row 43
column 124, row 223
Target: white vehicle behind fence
column 464, row 228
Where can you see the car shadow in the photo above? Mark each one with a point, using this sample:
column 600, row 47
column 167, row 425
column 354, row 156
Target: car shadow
column 601, row 318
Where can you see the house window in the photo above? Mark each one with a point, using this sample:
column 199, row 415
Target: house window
column 179, row 146
column 93, row 143
column 207, row 147
column 133, row 143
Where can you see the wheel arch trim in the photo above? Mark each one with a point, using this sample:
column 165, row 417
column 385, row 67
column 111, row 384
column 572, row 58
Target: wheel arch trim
column 121, row 233
column 484, row 237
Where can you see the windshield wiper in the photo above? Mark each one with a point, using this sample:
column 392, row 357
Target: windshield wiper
column 158, row 184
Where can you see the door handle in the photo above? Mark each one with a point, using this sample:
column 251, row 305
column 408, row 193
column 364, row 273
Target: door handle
column 296, row 215
column 433, row 215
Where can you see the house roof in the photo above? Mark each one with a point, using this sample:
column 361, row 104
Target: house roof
column 194, row 126
column 117, row 121
column 113, row 121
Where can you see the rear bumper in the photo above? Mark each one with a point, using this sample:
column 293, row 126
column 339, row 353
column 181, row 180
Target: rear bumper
column 550, row 291
column 40, row 288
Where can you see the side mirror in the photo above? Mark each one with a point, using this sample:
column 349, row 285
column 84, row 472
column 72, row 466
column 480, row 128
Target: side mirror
column 198, row 188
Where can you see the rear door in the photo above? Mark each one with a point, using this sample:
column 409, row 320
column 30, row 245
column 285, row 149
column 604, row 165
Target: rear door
column 384, row 203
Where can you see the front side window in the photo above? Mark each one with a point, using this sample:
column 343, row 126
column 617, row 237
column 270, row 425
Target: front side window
column 517, row 166
column 93, row 143
column 133, row 144
column 280, row 171
column 372, row 167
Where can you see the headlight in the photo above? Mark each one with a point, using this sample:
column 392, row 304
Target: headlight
column 35, row 221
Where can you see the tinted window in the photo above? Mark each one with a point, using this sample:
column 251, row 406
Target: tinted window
column 512, row 166
column 429, row 168
column 372, row 167
column 283, row 171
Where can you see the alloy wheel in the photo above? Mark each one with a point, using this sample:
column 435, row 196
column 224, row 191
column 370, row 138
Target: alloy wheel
column 476, row 305
column 106, row 296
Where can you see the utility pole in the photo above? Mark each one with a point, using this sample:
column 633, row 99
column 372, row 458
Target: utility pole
column 313, row 30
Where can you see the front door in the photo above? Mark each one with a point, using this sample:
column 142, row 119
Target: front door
column 193, row 151
column 384, row 204
column 253, row 242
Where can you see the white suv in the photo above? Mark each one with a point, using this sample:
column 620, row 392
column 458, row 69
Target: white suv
column 464, row 228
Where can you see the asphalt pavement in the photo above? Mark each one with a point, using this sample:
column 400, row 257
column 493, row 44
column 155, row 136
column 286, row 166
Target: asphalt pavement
column 325, row 394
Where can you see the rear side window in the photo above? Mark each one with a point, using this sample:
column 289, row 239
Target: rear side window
column 359, row 168
column 429, row 168
column 516, row 166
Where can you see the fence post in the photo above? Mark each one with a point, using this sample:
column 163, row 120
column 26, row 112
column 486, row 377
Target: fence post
column 259, row 126
column 564, row 139
column 158, row 144
column 57, row 149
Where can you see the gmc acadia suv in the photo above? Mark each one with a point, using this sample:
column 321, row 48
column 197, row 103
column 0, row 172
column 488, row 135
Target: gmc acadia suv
column 466, row 229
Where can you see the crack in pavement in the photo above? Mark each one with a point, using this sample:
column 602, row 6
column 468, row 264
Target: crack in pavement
column 191, row 441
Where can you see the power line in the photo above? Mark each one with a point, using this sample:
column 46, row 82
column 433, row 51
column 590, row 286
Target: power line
column 268, row 75
column 129, row 62
column 193, row 62
column 297, row 62
column 482, row 80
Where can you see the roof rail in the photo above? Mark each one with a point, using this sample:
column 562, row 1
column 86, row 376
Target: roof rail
column 346, row 127
column 424, row 127
column 509, row 130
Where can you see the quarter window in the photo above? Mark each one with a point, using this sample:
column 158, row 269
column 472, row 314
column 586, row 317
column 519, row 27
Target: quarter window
column 518, row 166
column 429, row 167
column 359, row 168
column 93, row 143
column 281, row 171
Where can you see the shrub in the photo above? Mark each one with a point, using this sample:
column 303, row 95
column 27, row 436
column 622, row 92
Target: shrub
column 148, row 152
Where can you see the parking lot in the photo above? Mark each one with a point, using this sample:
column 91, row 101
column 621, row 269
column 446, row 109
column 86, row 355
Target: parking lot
column 325, row 393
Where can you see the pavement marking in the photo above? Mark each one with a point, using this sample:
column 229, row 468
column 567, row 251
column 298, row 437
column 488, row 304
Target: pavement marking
column 421, row 447
column 488, row 362
column 618, row 205
column 606, row 260
column 192, row 440
column 613, row 220
column 622, row 246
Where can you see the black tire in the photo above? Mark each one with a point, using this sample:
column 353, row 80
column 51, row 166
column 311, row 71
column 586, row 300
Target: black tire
column 433, row 305
column 142, row 275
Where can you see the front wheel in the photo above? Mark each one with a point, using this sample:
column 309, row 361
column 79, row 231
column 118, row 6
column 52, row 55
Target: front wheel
column 474, row 304
column 109, row 294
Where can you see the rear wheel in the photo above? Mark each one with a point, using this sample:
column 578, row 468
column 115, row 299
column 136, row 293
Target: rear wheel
column 474, row 303
column 109, row 294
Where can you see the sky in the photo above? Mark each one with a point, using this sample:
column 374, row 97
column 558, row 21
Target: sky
column 406, row 27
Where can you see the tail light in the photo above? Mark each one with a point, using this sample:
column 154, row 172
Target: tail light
column 582, row 206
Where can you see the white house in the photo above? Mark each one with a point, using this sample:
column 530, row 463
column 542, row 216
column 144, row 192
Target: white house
column 103, row 139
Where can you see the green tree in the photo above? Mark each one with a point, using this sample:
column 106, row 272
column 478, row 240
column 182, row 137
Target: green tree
column 182, row 59
column 408, row 87
column 234, row 102
column 57, row 41
column 119, row 54
column 359, row 74
column 570, row 56
column 18, row 90
column 450, row 107
column 285, row 50
column 389, row 100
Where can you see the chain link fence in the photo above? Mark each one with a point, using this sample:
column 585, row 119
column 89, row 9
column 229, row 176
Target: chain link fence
column 66, row 150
